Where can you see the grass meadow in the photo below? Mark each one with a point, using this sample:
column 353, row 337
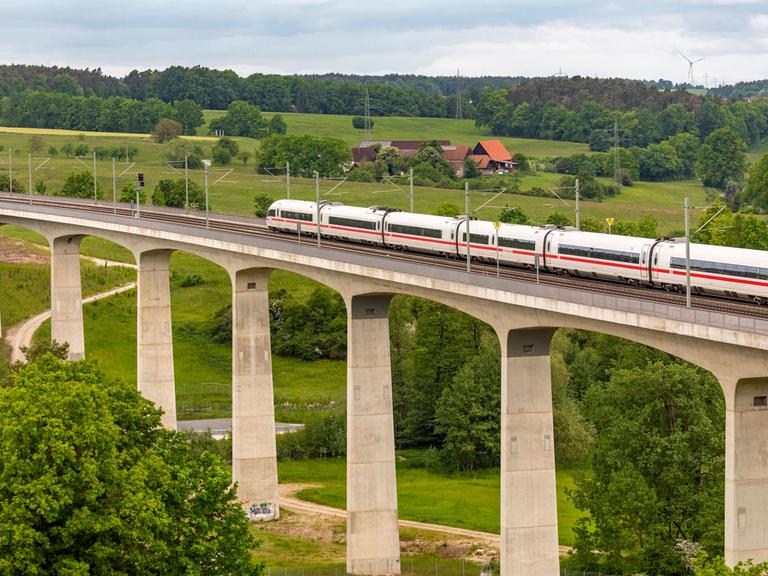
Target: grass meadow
column 467, row 500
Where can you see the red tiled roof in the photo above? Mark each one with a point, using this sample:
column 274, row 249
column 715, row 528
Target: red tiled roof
column 495, row 149
column 363, row 154
column 414, row 144
column 481, row 160
column 455, row 153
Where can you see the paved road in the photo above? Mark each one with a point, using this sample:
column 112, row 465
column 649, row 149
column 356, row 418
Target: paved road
column 289, row 500
column 223, row 426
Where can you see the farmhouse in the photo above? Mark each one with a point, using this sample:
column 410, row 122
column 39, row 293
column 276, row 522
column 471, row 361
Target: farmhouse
column 490, row 155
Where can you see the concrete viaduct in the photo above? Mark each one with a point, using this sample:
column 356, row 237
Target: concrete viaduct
column 524, row 315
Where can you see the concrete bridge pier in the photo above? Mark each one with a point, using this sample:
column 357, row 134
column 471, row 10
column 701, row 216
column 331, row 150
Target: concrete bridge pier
column 254, row 453
column 373, row 540
column 529, row 545
column 746, row 470
column 154, row 336
column 66, row 295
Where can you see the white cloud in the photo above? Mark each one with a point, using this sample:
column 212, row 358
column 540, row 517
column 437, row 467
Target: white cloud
column 593, row 37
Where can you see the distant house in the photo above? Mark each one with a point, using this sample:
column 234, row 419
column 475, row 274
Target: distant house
column 490, row 155
column 455, row 156
column 498, row 157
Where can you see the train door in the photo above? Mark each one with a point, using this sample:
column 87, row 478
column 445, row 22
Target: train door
column 645, row 254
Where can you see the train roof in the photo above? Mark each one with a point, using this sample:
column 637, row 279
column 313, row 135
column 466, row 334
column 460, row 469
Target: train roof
column 289, row 203
column 426, row 219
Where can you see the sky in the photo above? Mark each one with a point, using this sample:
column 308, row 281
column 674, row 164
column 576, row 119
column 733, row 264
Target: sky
column 630, row 39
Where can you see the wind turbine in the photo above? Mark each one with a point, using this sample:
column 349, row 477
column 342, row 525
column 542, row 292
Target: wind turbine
column 690, row 66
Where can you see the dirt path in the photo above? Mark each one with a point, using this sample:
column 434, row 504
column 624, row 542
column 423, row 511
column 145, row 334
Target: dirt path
column 289, row 500
column 22, row 334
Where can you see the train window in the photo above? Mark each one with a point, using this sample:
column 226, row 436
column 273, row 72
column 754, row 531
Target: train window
column 272, row 212
column 600, row 253
column 721, row 268
column 760, row 401
column 416, row 231
column 515, row 243
column 296, row 215
column 475, row 238
column 354, row 223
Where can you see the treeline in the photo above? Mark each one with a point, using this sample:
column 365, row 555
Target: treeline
column 614, row 93
column 34, row 109
column 594, row 123
column 217, row 89
column 15, row 78
column 743, row 89
column 392, row 94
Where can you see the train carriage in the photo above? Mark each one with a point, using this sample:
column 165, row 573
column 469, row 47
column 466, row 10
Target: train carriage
column 596, row 255
column 421, row 233
column 290, row 215
column 719, row 270
column 353, row 224
column 482, row 240
column 517, row 244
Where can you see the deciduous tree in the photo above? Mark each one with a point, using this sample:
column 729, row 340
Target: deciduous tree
column 96, row 486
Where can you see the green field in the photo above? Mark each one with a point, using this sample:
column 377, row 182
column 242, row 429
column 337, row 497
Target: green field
column 407, row 128
column 465, row 500
column 232, row 188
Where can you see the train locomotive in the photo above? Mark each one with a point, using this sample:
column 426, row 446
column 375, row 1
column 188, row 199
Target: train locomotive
column 715, row 270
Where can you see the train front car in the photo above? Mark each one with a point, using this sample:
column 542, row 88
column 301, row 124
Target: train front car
column 716, row 270
column 292, row 215
column 421, row 233
column 595, row 255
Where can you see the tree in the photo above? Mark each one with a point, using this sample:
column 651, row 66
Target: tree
column 431, row 154
column 173, row 193
column 467, row 414
column 513, row 215
column 66, row 84
column 5, row 187
column 703, row 565
column 657, row 467
column 95, row 485
column 189, row 115
column 755, row 192
column 244, row 155
column 277, row 125
column 80, row 185
column 721, row 158
column 329, row 156
column 558, row 219
column 443, row 341
column 447, row 209
column 179, row 150
column 262, row 202
column 241, row 119
column 224, row 150
column 687, row 147
column 128, row 194
column 166, row 130
column 471, row 169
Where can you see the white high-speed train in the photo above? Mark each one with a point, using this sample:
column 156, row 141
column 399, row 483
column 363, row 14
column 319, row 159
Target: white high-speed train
column 715, row 270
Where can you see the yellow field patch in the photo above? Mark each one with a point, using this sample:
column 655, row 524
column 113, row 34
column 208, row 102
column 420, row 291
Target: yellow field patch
column 57, row 132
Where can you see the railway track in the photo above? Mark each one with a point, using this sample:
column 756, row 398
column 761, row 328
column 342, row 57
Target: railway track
column 221, row 223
